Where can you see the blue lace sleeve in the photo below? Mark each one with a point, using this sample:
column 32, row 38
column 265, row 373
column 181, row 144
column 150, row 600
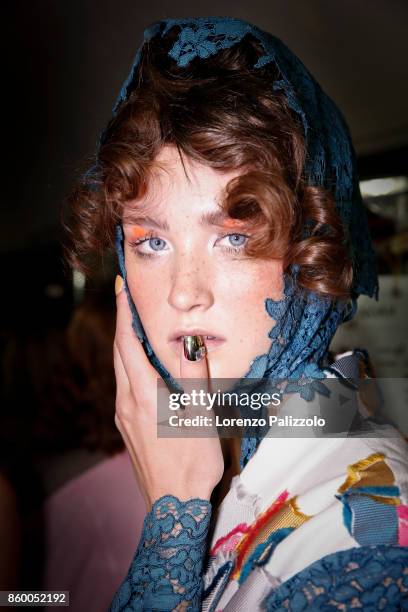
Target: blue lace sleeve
column 369, row 578
column 166, row 572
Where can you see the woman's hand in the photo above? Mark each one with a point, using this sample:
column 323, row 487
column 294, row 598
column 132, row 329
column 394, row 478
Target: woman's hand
column 183, row 467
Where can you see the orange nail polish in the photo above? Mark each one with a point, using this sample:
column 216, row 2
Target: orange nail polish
column 118, row 284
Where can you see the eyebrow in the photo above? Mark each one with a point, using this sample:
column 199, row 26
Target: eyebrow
column 217, row 218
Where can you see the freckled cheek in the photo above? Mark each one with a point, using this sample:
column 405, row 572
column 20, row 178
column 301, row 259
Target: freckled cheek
column 253, row 283
column 244, row 294
column 271, row 282
column 144, row 288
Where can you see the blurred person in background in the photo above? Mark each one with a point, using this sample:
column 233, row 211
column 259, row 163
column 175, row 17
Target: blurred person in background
column 82, row 522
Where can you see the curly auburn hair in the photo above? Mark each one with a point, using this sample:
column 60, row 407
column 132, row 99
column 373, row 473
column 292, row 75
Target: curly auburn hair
column 226, row 115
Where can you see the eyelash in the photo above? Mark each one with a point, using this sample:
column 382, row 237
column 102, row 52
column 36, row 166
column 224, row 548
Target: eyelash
column 135, row 243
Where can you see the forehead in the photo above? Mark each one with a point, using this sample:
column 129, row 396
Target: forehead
column 174, row 180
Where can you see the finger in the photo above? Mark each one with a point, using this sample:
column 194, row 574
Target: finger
column 195, row 377
column 139, row 371
column 122, row 381
column 194, row 369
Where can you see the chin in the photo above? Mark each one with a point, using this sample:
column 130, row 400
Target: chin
column 227, row 370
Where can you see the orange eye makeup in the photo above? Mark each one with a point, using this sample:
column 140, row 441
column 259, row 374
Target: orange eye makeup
column 232, row 223
column 137, row 231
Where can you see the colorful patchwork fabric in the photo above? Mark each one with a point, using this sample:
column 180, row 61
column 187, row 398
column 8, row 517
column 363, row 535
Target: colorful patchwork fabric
column 374, row 517
column 270, row 528
column 402, row 512
column 373, row 513
column 245, row 547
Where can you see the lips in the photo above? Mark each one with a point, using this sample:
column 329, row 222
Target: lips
column 212, row 340
column 196, row 331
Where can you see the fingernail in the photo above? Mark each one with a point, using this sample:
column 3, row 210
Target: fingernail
column 118, row 284
column 194, row 348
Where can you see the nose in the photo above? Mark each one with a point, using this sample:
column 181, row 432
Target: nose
column 191, row 283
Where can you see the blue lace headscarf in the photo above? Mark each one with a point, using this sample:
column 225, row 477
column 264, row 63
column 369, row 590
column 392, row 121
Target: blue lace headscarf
column 305, row 322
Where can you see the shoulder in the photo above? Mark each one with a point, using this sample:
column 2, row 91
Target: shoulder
column 369, row 578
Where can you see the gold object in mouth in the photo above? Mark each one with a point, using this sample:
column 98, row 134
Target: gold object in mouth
column 194, row 348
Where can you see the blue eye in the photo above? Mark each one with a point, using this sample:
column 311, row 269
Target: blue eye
column 157, row 244
column 153, row 243
column 237, row 243
column 237, row 239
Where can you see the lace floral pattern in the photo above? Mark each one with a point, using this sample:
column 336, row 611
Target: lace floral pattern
column 305, row 325
column 166, row 572
column 370, row 578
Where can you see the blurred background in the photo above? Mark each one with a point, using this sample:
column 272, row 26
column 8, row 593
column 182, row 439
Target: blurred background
column 64, row 476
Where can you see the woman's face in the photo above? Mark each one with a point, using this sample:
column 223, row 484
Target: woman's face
column 187, row 275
